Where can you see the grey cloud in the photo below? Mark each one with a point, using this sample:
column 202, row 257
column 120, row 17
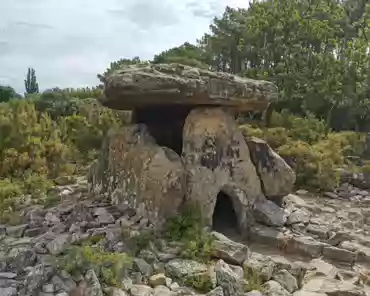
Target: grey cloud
column 146, row 14
column 5, row 48
column 68, row 42
column 205, row 9
column 33, row 26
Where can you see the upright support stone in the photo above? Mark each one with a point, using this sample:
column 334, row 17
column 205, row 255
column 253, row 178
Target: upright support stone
column 217, row 158
column 134, row 170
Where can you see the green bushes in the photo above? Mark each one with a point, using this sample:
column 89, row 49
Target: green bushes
column 309, row 147
column 110, row 268
column 188, row 228
column 36, row 148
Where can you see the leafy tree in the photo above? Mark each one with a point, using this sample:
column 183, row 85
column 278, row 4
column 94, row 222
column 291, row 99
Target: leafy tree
column 30, row 82
column 7, row 93
column 317, row 52
column 187, row 54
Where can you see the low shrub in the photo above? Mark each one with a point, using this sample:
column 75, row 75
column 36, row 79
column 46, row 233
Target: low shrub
column 110, row 268
column 304, row 143
column 188, row 228
column 253, row 280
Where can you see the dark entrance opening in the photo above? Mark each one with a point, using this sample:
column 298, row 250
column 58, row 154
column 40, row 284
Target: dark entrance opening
column 165, row 123
column 224, row 218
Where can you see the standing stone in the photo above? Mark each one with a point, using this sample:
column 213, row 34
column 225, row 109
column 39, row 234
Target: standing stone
column 134, row 170
column 217, row 158
column 277, row 177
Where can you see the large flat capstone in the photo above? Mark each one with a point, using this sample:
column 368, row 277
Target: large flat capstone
column 136, row 86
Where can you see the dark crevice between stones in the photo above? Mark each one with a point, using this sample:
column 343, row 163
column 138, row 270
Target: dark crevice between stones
column 164, row 123
column 224, row 219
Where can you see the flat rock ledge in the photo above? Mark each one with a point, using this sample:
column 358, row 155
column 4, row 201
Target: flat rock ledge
column 136, row 86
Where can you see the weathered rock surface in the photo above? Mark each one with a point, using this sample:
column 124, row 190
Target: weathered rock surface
column 277, row 177
column 135, row 171
column 228, row 250
column 268, row 213
column 230, row 278
column 27, row 265
column 139, row 85
column 217, row 158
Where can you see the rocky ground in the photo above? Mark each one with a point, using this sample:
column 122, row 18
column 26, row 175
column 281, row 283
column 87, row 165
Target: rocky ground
column 314, row 246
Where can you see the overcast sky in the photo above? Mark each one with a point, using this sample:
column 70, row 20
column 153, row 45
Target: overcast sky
column 68, row 42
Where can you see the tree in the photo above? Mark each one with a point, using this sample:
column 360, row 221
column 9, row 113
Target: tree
column 7, row 93
column 187, row 54
column 317, row 52
column 30, row 82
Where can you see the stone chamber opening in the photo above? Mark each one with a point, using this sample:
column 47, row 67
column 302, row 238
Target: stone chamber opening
column 224, row 219
column 165, row 123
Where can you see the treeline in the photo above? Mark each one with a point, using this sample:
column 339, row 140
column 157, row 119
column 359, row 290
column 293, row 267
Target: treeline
column 316, row 51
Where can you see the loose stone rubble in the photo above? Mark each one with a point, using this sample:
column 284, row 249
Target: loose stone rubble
column 327, row 254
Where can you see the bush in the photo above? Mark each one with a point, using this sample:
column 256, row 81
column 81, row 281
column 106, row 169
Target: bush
column 110, row 268
column 315, row 169
column 8, row 190
column 48, row 136
column 304, row 143
column 253, row 280
column 308, row 128
column 188, row 228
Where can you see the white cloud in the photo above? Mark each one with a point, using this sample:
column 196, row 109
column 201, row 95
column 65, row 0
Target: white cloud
column 68, row 42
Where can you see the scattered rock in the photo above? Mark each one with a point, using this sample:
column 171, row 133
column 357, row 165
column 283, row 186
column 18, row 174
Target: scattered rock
column 216, row 292
column 143, row 267
column 117, row 292
column 254, row 293
column 339, row 254
column 268, row 213
column 163, row 291
column 299, row 216
column 333, row 287
column 306, row 245
column 93, row 284
column 58, row 244
column 263, row 265
column 16, row 231
column 182, row 268
column 157, row 280
column 141, row 290
column 230, row 278
column 273, row 288
column 286, row 280
column 8, row 291
column 228, row 250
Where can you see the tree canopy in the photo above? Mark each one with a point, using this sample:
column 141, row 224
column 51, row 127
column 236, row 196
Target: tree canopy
column 316, row 51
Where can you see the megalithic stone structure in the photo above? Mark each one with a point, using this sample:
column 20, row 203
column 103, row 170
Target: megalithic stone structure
column 184, row 144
